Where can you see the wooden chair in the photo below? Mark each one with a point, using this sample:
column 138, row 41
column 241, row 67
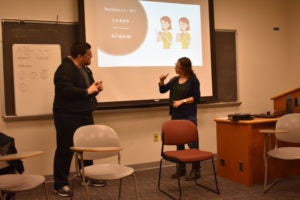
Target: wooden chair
column 12, row 183
column 181, row 132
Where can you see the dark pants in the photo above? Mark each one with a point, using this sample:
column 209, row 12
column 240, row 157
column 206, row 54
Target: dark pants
column 193, row 119
column 66, row 125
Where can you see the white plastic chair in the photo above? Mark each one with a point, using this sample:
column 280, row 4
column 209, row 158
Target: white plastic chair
column 287, row 130
column 94, row 142
column 12, row 183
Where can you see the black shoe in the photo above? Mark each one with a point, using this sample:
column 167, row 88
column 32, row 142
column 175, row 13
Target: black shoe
column 194, row 175
column 98, row 183
column 182, row 173
column 65, row 191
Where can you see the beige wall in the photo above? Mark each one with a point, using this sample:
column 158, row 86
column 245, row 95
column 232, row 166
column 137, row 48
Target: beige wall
column 267, row 66
column 294, row 41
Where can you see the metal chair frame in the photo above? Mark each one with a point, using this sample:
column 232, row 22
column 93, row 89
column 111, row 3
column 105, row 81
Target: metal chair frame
column 178, row 126
column 94, row 142
column 287, row 130
column 18, row 185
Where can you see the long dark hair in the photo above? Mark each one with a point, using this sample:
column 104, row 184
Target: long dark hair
column 186, row 65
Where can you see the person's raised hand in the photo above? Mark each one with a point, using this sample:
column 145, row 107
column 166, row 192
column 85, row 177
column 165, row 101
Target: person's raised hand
column 162, row 78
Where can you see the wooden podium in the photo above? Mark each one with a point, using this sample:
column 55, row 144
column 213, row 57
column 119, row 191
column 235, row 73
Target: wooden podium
column 279, row 101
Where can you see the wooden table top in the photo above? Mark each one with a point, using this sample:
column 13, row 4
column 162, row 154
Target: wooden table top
column 19, row 156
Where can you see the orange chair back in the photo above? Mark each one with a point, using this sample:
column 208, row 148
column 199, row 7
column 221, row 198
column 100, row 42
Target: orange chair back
column 178, row 132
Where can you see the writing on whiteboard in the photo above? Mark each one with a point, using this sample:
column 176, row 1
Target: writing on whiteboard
column 34, row 66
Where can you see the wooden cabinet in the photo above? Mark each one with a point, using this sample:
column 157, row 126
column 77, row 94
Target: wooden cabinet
column 240, row 146
column 240, row 149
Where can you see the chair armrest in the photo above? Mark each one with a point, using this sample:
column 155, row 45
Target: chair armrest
column 272, row 131
column 96, row 149
column 267, row 139
column 19, row 156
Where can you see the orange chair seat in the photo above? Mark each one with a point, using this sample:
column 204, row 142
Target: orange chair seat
column 188, row 155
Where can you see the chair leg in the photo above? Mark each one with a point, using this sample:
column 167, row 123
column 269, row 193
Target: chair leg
column 86, row 190
column 215, row 176
column 266, row 175
column 120, row 189
column 77, row 171
column 159, row 173
column 178, row 180
column 266, row 185
column 216, row 189
column 83, row 184
column 135, row 184
column 45, row 189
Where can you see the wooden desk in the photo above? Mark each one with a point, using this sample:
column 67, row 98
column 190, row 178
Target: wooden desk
column 19, row 156
column 240, row 149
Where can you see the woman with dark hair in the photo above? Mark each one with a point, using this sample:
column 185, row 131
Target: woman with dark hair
column 184, row 96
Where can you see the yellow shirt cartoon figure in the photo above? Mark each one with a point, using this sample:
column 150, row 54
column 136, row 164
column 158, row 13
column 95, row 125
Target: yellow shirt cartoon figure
column 165, row 36
column 184, row 36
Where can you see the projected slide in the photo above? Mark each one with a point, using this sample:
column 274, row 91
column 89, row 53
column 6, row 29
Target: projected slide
column 131, row 33
column 135, row 41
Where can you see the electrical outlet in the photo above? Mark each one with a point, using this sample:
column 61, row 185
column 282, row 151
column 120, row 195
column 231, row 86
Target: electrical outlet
column 222, row 162
column 241, row 166
column 155, row 137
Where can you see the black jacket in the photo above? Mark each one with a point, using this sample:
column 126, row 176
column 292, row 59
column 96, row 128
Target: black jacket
column 70, row 90
column 192, row 91
column 7, row 146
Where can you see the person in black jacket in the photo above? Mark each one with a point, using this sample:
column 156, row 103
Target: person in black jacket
column 183, row 98
column 74, row 102
column 7, row 146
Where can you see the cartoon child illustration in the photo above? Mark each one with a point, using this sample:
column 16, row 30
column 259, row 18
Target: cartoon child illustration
column 165, row 35
column 184, row 36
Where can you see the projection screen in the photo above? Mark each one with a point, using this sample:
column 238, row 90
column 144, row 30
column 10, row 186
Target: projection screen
column 135, row 41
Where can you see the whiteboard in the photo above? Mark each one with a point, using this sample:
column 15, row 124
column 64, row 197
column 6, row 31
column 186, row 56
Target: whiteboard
column 33, row 69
